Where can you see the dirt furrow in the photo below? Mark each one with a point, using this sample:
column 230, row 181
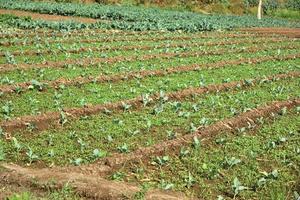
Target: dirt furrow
column 5, row 89
column 138, row 47
column 108, row 38
column 91, row 187
column 85, row 62
column 289, row 32
column 45, row 120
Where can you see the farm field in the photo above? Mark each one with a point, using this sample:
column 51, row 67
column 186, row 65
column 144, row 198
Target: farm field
column 149, row 114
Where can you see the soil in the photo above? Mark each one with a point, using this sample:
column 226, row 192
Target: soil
column 289, row 32
column 88, row 186
column 47, row 17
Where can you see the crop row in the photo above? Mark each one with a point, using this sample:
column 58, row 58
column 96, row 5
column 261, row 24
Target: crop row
column 138, row 46
column 93, row 61
column 120, row 49
column 41, row 86
column 87, row 182
column 165, row 119
column 94, row 94
column 110, row 38
column 106, row 34
column 159, row 51
column 73, row 72
column 256, row 157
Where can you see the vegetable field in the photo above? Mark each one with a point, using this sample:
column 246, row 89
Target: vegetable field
column 119, row 114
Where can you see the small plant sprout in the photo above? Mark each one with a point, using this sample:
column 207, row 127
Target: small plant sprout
column 146, row 99
column 283, row 111
column 125, row 106
column 31, row 156
column 296, row 195
column 148, row 125
column 106, row 111
column 184, row 114
column 196, row 143
column 161, row 160
column 77, row 161
column 82, row 102
column 162, row 96
column 7, row 109
column 98, row 153
column 16, row 144
column 166, row 186
column 123, row 148
column 237, row 187
column 176, row 105
column 189, row 180
column 195, row 107
column 36, row 85
column 109, row 138
column 171, row 135
column 202, row 81
column 118, row 176
column 10, row 59
column 51, row 153
column 62, row 117
column 192, row 128
column 183, row 152
column 82, row 144
column 50, row 140
column 219, row 197
column 158, row 109
column 228, row 163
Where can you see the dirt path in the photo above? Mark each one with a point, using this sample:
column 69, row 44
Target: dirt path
column 47, row 17
column 290, row 32
column 87, row 186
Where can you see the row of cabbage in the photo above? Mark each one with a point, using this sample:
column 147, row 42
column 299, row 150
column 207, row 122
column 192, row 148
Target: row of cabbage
column 136, row 18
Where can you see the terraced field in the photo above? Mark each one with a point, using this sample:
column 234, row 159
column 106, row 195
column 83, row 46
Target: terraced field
column 158, row 115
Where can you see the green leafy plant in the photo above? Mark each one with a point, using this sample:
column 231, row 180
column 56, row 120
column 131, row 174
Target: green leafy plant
column 238, row 187
column 31, row 156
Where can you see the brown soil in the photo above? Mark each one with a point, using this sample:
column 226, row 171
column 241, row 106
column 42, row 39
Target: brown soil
column 140, row 47
column 43, row 121
column 140, row 74
column 47, row 17
column 289, row 32
column 92, row 61
column 88, row 186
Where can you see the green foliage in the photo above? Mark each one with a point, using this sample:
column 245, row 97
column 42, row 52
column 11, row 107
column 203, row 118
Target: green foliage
column 293, row 4
column 22, row 196
column 132, row 18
